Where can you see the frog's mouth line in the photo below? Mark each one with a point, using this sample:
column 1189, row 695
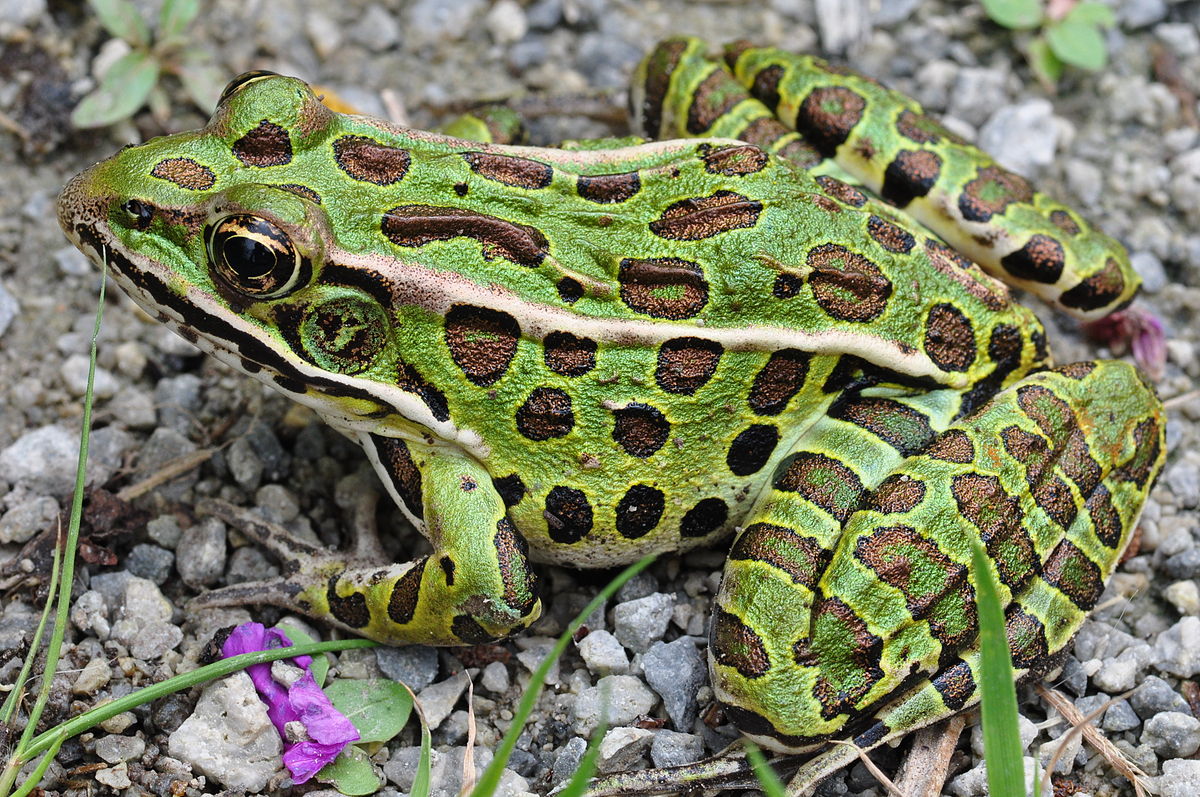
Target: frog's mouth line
column 332, row 396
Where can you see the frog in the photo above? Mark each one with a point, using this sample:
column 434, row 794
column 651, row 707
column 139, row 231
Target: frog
column 782, row 313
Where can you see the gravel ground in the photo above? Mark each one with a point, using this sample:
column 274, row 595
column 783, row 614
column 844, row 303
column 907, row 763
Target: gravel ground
column 1121, row 144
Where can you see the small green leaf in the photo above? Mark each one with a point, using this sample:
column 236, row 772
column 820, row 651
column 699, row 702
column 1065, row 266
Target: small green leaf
column 1078, row 44
column 320, row 663
column 201, row 79
column 378, row 707
column 121, row 19
column 123, row 89
column 351, row 773
column 1014, row 14
column 998, row 696
column 1044, row 63
column 1093, row 14
column 176, row 15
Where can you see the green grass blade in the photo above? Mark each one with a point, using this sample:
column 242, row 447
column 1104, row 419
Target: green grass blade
column 420, row 785
column 998, row 694
column 772, row 786
column 578, row 783
column 490, row 780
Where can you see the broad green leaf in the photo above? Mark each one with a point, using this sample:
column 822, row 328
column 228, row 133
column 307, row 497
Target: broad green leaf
column 1093, row 14
column 351, row 773
column 201, row 79
column 123, row 89
column 320, row 663
column 1045, row 64
column 176, row 15
column 998, row 695
column 378, row 707
column 1014, row 14
column 1078, row 44
column 121, row 19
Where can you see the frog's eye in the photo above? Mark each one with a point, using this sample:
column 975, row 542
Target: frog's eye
column 139, row 212
column 253, row 256
column 243, row 80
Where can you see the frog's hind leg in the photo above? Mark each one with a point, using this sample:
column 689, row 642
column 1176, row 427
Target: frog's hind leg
column 875, row 635
column 476, row 585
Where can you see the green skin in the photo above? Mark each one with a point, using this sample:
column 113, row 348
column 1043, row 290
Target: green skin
column 584, row 355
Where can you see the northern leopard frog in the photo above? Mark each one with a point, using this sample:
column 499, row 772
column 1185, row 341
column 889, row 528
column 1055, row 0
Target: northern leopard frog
column 582, row 355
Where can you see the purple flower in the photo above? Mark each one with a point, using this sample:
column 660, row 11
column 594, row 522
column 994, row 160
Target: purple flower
column 313, row 731
column 1137, row 330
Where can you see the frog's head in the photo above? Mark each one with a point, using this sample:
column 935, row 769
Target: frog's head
column 221, row 235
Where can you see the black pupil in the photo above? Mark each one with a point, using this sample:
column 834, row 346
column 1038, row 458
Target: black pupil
column 248, row 257
column 139, row 210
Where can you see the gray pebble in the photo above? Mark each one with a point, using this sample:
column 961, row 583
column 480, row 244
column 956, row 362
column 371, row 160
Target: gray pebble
column 1154, row 696
column 541, row 15
column 244, row 464
column 676, row 670
column 1121, row 673
column 74, row 373
column 495, row 678
column 280, row 503
column 670, row 749
column 1183, row 565
column 1140, row 13
column 249, row 564
column 618, row 699
column 115, row 749
column 94, row 676
column 1180, row 778
column 376, row 29
column 44, row 460
column 1172, row 734
column 603, row 654
column 1023, row 137
column 116, row 778
column 977, row 93
column 1150, row 269
column 641, row 585
column 640, row 623
column 413, row 665
column 165, row 530
column 178, row 401
column 1183, row 478
column 8, row 303
column 1181, row 37
column 1073, row 678
column 201, row 553
column 621, row 748
column 134, row 408
column 89, row 613
column 1177, row 650
column 438, row 699
column 26, row 517
column 506, row 22
column 71, row 262
column 1120, row 717
column 229, row 737
column 568, row 759
column 150, row 562
column 164, row 446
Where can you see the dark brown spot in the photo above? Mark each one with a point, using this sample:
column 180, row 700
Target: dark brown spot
column 569, row 290
column 1106, row 520
column 801, row 558
column 955, row 684
column 891, row 237
column 983, row 501
column 609, row 188
column 352, row 610
column 787, row 286
column 911, row 174
column 511, row 489
column 640, row 429
column 846, row 285
column 708, row 515
column 841, row 191
column 954, row 446
column 949, row 338
column 734, row 644
column 300, row 191
column 966, row 273
column 663, row 287
column 1072, row 573
column 751, row 449
column 923, row 129
column 568, row 514
column 991, row 192
column 469, row 631
column 569, row 354
column 1041, row 259
column 765, row 87
column 1064, row 221
column 1097, row 291
column 896, row 494
column 402, row 604
column 778, row 381
column 686, row 364
column 1026, row 638
column 846, row 655
column 482, row 342
column 735, row 160
column 185, row 173
column 417, row 225
column 639, row 510
column 266, row 145
column 367, row 160
column 509, row 170
column 546, row 414
column 895, row 423
column 520, row 585
column 660, row 65
column 716, row 96
column 405, row 476
column 827, row 116
column 823, row 480
column 703, row 217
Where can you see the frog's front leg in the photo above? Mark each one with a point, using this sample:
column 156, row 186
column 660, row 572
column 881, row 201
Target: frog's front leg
column 474, row 587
